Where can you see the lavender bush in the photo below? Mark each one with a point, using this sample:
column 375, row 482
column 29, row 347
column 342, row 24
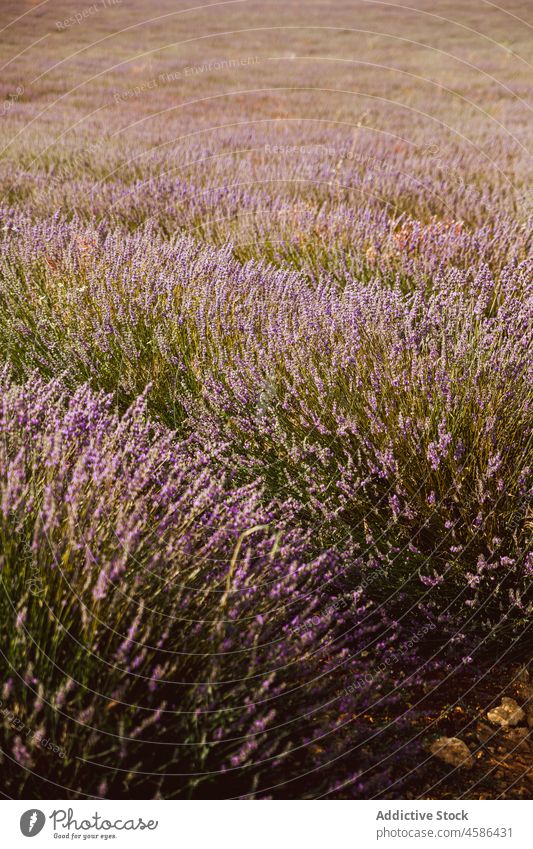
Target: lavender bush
column 386, row 416
column 155, row 608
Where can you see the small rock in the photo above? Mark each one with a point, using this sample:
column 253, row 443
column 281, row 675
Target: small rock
column 516, row 734
column 517, row 739
column 485, row 732
column 452, row 751
column 509, row 713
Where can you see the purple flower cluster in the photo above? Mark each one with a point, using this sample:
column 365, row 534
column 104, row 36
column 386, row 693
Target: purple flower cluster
column 172, row 616
column 399, row 420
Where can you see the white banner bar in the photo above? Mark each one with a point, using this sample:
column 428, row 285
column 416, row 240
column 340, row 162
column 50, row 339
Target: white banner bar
column 271, row 825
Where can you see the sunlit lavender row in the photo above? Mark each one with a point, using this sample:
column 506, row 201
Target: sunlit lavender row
column 266, row 309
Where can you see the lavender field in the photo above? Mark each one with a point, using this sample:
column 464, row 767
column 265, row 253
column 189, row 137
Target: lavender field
column 266, row 399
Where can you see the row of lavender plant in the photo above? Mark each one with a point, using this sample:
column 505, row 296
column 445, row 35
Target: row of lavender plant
column 398, row 420
column 172, row 634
